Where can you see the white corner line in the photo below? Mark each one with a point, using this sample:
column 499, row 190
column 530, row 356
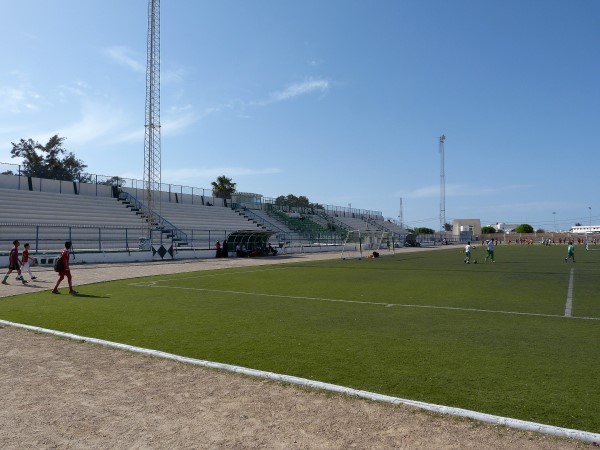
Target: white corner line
column 440, row 409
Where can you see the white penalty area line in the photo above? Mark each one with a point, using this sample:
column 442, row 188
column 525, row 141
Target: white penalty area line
column 440, row 409
column 153, row 284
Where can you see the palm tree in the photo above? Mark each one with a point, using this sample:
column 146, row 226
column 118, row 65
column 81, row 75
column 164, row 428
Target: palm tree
column 223, row 187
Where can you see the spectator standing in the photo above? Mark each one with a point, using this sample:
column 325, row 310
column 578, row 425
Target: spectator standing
column 224, row 250
column 65, row 270
column 13, row 263
column 218, row 247
column 26, row 261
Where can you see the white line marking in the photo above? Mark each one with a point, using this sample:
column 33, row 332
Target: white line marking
column 228, row 273
column 569, row 305
column 152, row 284
column 373, row 396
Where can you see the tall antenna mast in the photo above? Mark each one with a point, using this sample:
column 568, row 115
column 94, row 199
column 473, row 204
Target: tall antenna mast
column 152, row 168
column 401, row 215
column 442, row 185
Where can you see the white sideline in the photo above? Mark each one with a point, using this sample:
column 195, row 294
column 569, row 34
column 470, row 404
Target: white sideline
column 489, row 418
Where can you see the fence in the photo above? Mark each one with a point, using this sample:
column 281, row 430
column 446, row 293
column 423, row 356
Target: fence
column 12, row 176
column 45, row 239
column 51, row 238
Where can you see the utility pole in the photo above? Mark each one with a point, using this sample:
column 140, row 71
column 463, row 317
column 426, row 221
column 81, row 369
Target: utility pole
column 152, row 167
column 442, row 185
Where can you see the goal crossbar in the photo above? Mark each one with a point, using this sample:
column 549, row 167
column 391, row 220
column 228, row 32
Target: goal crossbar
column 358, row 242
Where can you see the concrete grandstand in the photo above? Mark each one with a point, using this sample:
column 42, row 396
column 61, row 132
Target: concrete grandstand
column 107, row 219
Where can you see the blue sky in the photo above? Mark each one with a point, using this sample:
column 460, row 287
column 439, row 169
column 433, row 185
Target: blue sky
column 339, row 100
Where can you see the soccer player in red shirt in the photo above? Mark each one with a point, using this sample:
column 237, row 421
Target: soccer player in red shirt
column 13, row 263
column 25, row 264
column 66, row 271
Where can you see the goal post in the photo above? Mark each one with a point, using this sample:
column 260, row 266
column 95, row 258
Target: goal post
column 362, row 243
column 592, row 241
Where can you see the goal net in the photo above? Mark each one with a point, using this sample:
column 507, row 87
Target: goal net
column 367, row 243
column 592, row 241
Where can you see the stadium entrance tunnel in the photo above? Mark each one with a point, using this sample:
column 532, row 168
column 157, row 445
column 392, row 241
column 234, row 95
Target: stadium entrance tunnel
column 247, row 243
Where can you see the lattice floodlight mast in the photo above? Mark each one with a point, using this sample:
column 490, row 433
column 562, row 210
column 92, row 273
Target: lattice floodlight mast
column 442, row 186
column 152, row 168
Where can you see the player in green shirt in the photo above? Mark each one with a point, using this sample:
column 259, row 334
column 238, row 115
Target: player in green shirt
column 570, row 252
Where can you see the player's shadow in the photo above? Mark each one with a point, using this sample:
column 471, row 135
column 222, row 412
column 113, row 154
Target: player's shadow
column 80, row 295
column 34, row 286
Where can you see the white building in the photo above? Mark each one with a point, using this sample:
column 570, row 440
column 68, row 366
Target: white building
column 466, row 227
column 502, row 227
column 582, row 229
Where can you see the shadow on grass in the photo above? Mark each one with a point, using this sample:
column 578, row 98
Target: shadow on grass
column 80, row 295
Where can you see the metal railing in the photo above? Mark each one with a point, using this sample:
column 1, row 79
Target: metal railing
column 111, row 186
column 50, row 238
column 163, row 224
column 47, row 238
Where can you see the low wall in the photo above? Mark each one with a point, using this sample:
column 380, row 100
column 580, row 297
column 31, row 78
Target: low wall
column 536, row 238
column 180, row 254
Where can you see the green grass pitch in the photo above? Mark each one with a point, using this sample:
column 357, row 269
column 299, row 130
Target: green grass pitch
column 490, row 337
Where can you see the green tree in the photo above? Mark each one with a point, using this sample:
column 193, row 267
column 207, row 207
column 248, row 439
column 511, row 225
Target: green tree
column 424, row 230
column 114, row 181
column 488, row 230
column 47, row 161
column 524, row 228
column 292, row 200
column 223, row 187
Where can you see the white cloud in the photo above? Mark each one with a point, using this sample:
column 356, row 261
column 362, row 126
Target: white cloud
column 125, row 57
column 131, row 135
column 240, row 107
column 79, row 89
column 298, row 89
column 176, row 119
column 18, row 97
column 97, row 122
column 173, row 75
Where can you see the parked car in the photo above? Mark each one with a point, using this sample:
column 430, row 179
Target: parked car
column 411, row 241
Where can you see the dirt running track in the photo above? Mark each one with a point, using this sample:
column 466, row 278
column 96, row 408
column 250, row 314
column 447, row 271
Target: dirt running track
column 56, row 393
